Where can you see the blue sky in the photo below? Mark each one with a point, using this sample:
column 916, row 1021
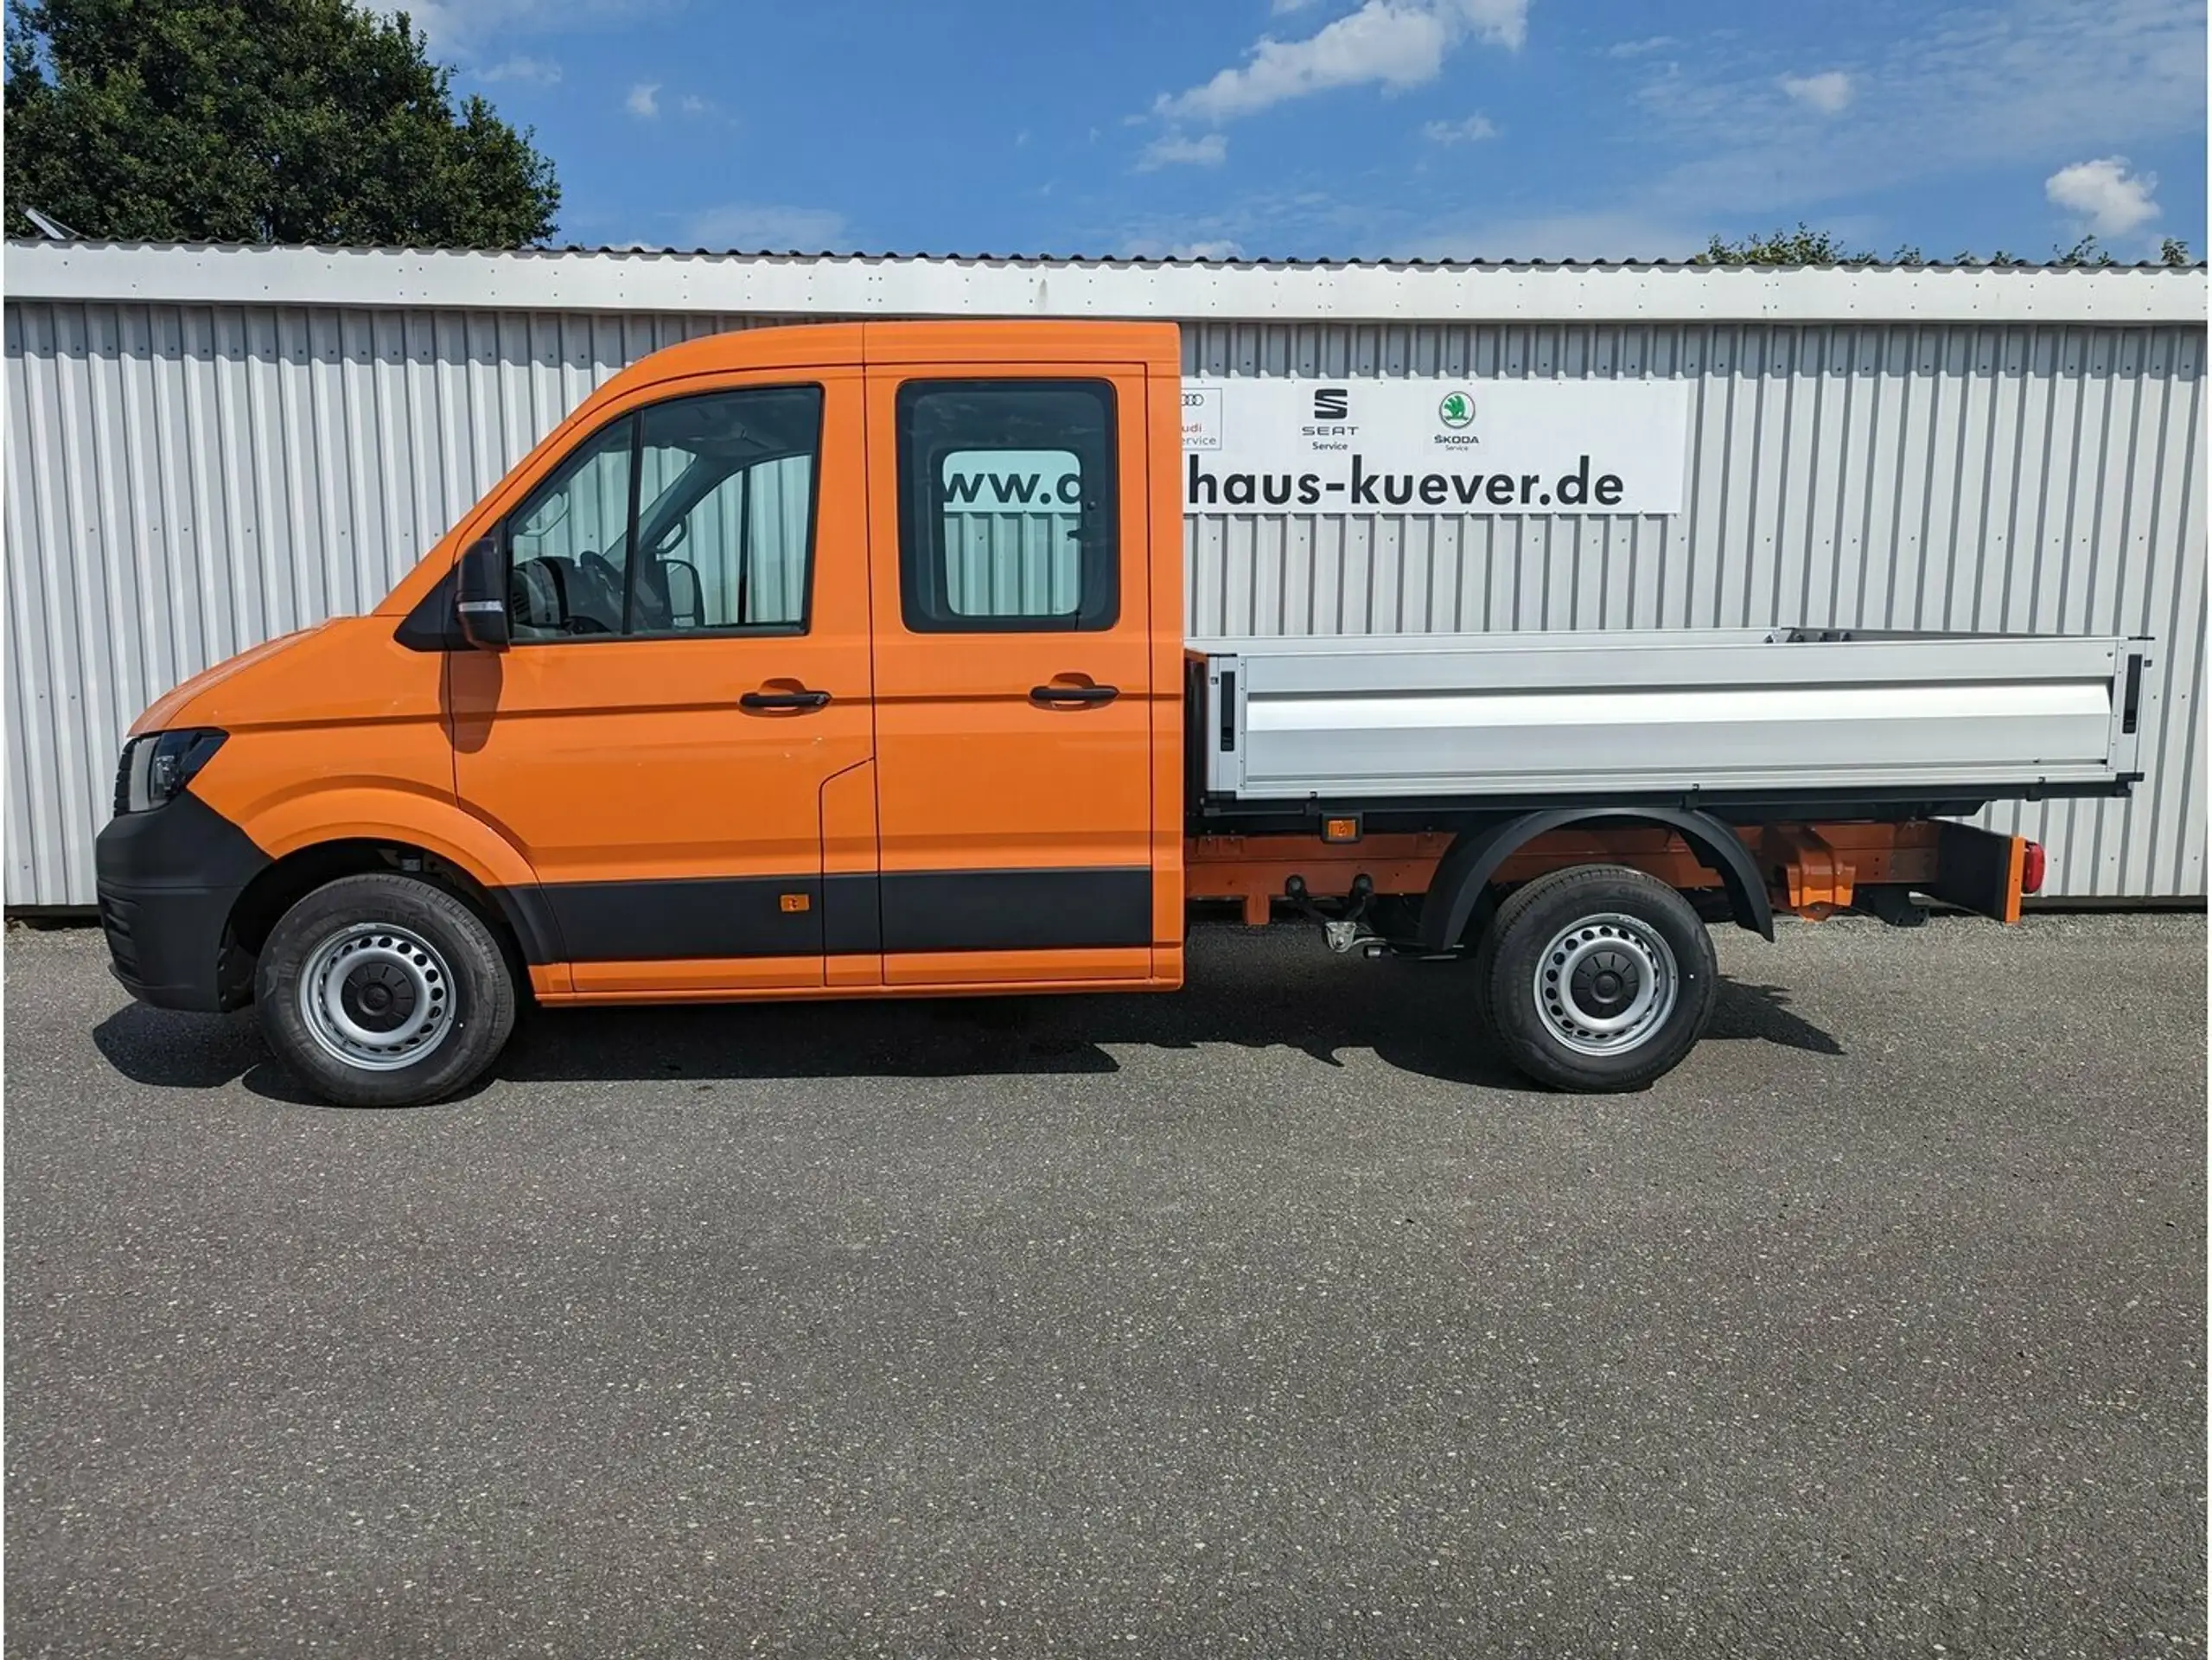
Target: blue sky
column 1535, row 128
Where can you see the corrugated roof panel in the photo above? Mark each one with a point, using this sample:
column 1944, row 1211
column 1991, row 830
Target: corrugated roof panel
column 860, row 285
column 633, row 251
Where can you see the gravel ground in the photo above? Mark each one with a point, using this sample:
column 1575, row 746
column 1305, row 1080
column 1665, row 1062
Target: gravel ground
column 1272, row 1318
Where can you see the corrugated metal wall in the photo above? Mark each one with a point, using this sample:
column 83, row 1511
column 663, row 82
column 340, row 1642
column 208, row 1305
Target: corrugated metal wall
column 183, row 481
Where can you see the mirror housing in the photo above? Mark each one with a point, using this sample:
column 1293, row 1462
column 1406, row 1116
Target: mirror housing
column 480, row 597
column 686, row 596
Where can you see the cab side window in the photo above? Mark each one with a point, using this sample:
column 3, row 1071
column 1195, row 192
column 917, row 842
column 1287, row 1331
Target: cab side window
column 731, row 542
column 714, row 534
column 1006, row 506
column 564, row 542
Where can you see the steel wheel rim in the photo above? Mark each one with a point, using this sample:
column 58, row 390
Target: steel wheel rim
column 1606, row 984
column 376, row 998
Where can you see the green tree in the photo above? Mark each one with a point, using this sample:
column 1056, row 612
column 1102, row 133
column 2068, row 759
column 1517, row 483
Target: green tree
column 1802, row 247
column 257, row 121
column 1807, row 246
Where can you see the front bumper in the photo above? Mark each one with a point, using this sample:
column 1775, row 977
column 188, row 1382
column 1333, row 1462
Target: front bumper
column 168, row 881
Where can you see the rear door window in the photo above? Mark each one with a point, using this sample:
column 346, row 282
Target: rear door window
column 1007, row 494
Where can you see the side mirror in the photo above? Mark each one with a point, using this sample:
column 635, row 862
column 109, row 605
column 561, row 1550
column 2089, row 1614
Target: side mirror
column 480, row 596
column 686, row 598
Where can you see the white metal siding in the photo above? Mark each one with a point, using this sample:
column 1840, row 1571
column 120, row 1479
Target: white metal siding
column 185, row 480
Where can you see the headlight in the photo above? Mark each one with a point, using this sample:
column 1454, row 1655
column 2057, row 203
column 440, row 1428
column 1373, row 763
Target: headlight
column 154, row 768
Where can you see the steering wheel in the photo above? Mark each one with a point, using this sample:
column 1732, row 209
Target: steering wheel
column 602, row 592
column 603, row 573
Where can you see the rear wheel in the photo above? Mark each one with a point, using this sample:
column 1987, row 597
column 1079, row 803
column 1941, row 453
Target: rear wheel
column 1597, row 979
column 384, row 991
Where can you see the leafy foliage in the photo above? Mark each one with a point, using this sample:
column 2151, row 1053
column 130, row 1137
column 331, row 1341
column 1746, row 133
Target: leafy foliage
column 257, row 121
column 1802, row 247
column 1807, row 246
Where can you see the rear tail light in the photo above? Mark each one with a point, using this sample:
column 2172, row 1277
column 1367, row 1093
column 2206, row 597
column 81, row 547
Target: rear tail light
column 2031, row 868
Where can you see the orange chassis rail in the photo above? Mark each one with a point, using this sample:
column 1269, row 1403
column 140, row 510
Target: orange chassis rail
column 1811, row 869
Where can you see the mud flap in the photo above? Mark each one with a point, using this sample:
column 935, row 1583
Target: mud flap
column 1980, row 871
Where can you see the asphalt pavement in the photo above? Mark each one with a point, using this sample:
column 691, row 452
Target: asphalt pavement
column 1272, row 1318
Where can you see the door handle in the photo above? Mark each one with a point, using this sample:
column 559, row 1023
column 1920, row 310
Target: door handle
column 1049, row 694
column 783, row 699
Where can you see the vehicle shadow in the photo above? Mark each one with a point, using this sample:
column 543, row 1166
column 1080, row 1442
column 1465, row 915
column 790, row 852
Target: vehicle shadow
column 1743, row 1010
column 1413, row 1017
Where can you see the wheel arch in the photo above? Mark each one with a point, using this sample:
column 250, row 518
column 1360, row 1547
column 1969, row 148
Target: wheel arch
column 321, row 834
column 1477, row 854
column 300, row 872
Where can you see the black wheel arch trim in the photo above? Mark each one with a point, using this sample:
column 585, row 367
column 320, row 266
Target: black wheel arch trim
column 1476, row 854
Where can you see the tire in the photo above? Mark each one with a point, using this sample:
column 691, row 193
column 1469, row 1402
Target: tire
column 415, row 998
column 1595, row 937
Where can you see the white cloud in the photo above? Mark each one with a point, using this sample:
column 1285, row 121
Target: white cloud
column 765, row 229
column 1829, row 91
column 2104, row 195
column 1460, row 132
column 1284, row 8
column 1628, row 233
column 644, row 102
column 1982, row 91
column 1391, row 44
column 1643, row 48
column 691, row 104
column 1217, row 248
column 538, row 72
column 1173, row 150
column 456, row 26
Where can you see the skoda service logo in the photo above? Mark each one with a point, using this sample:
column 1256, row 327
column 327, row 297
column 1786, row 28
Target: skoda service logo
column 1457, row 410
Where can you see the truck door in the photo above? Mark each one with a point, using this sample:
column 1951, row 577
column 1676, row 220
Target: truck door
column 689, row 672
column 1013, row 681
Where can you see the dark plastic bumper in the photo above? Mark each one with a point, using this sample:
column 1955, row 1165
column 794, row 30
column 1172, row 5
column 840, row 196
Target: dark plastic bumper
column 168, row 883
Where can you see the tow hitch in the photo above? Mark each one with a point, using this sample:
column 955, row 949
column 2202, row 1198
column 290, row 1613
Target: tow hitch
column 1342, row 930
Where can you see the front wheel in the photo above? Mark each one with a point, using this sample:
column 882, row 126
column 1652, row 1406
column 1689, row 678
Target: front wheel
column 1597, row 980
column 384, row 991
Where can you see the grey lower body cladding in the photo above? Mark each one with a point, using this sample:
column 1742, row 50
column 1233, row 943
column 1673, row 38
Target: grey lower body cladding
column 169, row 880
column 840, row 915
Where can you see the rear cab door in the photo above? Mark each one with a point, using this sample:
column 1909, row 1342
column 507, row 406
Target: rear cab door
column 1027, row 734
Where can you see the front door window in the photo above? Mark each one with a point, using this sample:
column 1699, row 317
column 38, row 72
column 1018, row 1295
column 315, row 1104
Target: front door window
column 718, row 492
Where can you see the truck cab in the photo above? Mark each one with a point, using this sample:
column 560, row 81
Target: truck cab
column 797, row 662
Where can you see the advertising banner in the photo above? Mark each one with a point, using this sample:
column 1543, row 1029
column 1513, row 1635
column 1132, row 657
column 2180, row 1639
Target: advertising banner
column 1435, row 446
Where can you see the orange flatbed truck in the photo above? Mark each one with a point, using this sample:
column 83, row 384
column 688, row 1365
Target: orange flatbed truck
column 738, row 686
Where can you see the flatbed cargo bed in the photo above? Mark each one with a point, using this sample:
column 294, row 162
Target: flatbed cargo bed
column 1765, row 713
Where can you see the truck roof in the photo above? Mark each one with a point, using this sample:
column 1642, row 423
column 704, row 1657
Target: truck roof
column 797, row 345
